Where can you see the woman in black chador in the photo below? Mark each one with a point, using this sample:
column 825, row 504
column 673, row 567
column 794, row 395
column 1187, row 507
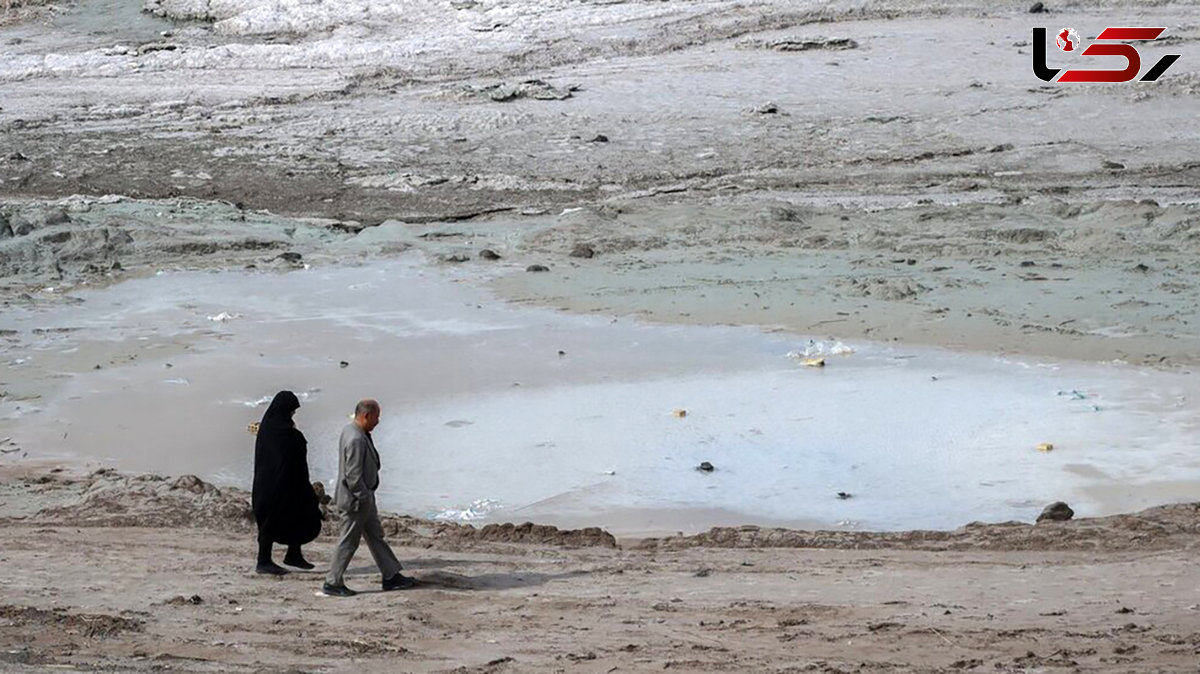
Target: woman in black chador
column 285, row 505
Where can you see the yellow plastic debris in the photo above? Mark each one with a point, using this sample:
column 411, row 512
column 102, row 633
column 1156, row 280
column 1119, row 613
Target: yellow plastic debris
column 252, row 427
column 1045, row 446
column 814, row 362
column 681, row 413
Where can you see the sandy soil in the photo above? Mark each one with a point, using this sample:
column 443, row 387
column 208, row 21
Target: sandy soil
column 786, row 164
column 142, row 573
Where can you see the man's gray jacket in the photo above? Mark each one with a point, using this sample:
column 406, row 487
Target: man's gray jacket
column 358, row 469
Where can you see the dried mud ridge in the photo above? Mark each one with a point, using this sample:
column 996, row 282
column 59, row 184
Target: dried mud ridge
column 107, row 498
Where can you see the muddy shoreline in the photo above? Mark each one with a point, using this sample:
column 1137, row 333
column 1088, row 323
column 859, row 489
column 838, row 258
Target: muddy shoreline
column 996, row 596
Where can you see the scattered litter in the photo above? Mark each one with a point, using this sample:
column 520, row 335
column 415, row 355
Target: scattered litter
column 679, row 413
column 252, row 427
column 1075, row 395
column 705, row 467
column 180, row 380
column 478, row 510
column 610, row 472
column 224, row 317
column 1045, row 447
column 815, row 349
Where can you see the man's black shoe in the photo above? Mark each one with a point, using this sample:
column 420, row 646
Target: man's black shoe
column 398, row 582
column 337, row 590
column 270, row 569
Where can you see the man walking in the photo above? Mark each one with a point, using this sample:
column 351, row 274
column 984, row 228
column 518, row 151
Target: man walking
column 358, row 478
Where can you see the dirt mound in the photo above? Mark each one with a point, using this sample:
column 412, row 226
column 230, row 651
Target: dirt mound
column 107, row 498
column 92, row 626
column 110, row 499
column 1163, row 527
column 418, row 532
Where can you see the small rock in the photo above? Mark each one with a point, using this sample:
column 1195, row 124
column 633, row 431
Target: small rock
column 1141, row 267
column 455, row 258
column 1057, row 511
column 1114, row 165
column 344, row 364
column 703, row 573
column 537, row 268
column 844, row 495
column 17, row 156
column 705, row 467
column 489, row 254
column 767, row 109
column 1002, row 147
column 6, row 231
column 1124, row 610
column 1027, row 263
column 1037, row 8
column 598, row 138
column 583, row 250
column 679, row 413
column 561, row 352
column 290, row 257
column 322, row 497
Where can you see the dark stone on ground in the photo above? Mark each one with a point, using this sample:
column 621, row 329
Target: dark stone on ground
column 1057, row 511
column 583, row 250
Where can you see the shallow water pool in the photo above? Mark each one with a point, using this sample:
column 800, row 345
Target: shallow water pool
column 496, row 412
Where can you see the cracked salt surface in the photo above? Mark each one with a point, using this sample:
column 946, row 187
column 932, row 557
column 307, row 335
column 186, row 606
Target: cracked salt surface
column 484, row 419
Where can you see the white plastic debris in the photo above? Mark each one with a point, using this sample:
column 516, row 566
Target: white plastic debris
column 816, row 349
column 476, row 511
column 223, row 317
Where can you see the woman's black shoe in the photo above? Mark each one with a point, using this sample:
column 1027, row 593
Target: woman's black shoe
column 271, row 569
column 298, row 562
